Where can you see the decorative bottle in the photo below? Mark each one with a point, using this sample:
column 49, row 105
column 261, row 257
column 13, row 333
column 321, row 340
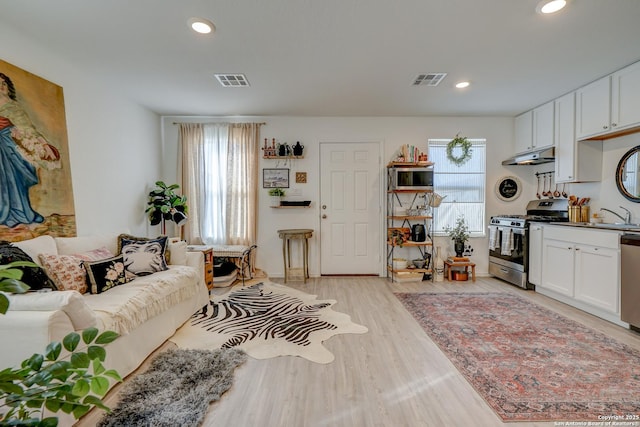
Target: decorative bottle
column 439, row 266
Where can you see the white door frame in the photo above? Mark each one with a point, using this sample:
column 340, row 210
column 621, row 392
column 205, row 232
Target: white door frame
column 381, row 194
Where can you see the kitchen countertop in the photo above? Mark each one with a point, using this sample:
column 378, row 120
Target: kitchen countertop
column 600, row 226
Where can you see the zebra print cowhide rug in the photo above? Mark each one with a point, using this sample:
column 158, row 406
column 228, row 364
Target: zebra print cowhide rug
column 267, row 320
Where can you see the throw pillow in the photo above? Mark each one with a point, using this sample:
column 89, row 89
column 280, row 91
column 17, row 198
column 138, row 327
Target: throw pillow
column 105, row 274
column 67, row 271
column 34, row 277
column 124, row 236
column 143, row 257
column 178, row 250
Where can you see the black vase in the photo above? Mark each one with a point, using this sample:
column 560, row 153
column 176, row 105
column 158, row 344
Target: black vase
column 458, row 246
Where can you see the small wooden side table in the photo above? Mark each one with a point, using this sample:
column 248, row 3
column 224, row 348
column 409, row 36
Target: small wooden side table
column 295, row 234
column 207, row 251
column 449, row 265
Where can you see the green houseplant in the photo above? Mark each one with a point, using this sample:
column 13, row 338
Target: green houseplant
column 49, row 380
column 10, row 282
column 165, row 204
column 72, row 384
column 459, row 234
column 276, row 195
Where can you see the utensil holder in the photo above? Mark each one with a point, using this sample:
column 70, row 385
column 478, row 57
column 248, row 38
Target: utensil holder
column 574, row 214
column 584, row 213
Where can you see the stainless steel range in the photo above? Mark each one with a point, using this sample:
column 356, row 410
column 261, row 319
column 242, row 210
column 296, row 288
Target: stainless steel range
column 509, row 239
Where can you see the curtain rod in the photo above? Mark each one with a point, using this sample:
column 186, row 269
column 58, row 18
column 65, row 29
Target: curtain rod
column 177, row 123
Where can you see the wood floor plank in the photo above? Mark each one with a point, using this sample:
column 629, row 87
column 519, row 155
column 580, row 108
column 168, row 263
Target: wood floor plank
column 394, row 375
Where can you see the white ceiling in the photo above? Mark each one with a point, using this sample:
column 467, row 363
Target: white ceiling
column 335, row 57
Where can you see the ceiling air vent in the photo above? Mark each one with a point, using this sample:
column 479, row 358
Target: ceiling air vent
column 430, row 79
column 232, row 80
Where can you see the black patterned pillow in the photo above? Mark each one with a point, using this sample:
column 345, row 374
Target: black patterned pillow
column 124, row 236
column 34, row 277
column 143, row 257
column 105, row 274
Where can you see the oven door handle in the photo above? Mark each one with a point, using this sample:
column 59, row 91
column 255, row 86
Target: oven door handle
column 515, row 230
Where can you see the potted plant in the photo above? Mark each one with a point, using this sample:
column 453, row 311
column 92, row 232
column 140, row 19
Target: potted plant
column 72, row 384
column 276, row 195
column 459, row 234
column 165, row 204
column 10, row 275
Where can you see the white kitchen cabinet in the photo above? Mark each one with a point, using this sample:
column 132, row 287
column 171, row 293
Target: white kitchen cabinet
column 558, row 273
column 524, row 132
column 543, row 126
column 535, row 128
column 534, row 275
column 576, row 161
column 625, row 98
column 581, row 267
column 593, row 112
column 610, row 106
column 596, row 273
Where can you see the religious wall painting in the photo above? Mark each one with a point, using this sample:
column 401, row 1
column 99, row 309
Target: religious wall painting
column 36, row 194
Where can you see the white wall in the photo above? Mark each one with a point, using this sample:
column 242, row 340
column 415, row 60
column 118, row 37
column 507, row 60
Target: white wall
column 392, row 132
column 114, row 144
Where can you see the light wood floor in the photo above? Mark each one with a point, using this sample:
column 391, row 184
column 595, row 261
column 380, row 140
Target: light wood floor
column 394, row 375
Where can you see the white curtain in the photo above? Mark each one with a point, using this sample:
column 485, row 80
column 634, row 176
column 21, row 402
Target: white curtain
column 220, row 180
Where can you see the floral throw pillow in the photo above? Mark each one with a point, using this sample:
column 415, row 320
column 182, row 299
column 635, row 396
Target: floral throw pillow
column 67, row 271
column 143, row 257
column 105, row 274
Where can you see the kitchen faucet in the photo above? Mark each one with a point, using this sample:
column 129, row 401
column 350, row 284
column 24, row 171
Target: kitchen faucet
column 626, row 218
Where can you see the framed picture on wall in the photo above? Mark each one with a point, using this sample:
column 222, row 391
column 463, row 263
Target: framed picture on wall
column 275, row 178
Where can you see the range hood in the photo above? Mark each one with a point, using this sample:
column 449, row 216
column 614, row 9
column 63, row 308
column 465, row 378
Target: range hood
column 536, row 157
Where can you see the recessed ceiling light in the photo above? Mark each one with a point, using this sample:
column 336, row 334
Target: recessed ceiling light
column 462, row 85
column 201, row 25
column 550, row 6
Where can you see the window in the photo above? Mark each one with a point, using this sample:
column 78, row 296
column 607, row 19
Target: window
column 463, row 186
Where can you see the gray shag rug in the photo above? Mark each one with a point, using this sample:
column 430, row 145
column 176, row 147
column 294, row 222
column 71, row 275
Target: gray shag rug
column 177, row 388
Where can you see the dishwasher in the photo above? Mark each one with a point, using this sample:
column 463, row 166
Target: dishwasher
column 630, row 280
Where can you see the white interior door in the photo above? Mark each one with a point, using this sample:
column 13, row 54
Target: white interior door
column 350, row 208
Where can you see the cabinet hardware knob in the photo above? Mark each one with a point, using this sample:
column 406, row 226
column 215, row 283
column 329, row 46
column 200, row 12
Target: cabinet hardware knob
column 605, row 127
column 614, row 124
column 324, row 216
column 324, row 206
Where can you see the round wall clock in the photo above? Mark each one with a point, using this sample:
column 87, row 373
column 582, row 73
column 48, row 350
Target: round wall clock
column 508, row 188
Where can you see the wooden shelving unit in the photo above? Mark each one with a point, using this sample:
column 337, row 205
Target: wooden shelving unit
column 394, row 200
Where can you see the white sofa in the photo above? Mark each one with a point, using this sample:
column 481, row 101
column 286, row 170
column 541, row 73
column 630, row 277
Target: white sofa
column 160, row 303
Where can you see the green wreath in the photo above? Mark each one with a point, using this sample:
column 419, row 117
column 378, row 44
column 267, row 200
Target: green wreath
column 465, row 145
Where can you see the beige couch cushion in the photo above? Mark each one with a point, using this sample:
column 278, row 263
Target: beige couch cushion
column 38, row 245
column 123, row 308
column 71, row 302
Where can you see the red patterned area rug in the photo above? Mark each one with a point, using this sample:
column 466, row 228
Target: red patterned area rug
column 530, row 363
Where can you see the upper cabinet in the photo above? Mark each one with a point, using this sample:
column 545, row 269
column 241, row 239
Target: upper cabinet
column 576, row 161
column 592, row 108
column 524, row 132
column 609, row 107
column 543, row 125
column 535, row 129
column 625, row 97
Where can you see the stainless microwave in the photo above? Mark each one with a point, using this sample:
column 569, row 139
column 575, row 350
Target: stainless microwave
column 415, row 178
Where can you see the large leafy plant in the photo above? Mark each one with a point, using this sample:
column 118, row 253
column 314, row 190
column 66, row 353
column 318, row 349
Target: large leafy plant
column 72, row 384
column 165, row 204
column 10, row 282
column 460, row 232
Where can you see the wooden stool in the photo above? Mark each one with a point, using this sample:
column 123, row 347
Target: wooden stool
column 448, row 266
column 297, row 234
